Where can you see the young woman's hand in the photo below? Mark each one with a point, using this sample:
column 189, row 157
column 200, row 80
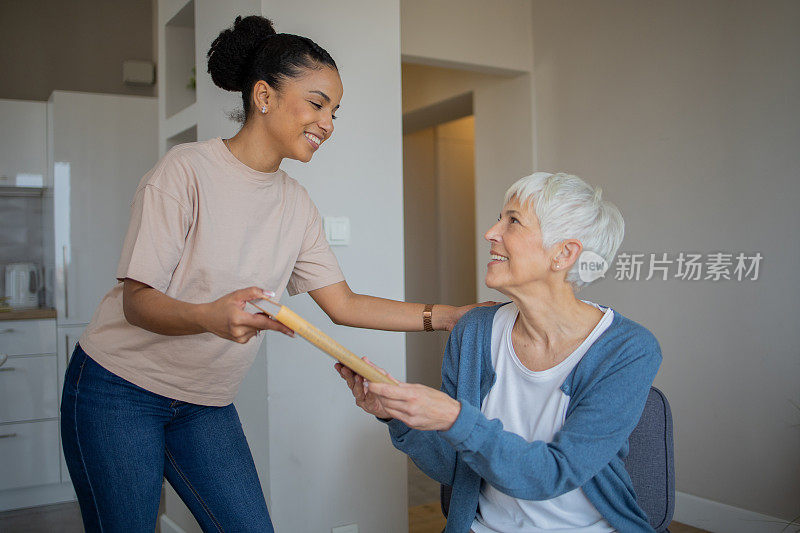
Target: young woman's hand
column 227, row 317
column 368, row 402
column 449, row 315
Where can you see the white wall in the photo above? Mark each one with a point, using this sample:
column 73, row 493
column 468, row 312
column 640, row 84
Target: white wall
column 330, row 463
column 687, row 114
column 490, row 37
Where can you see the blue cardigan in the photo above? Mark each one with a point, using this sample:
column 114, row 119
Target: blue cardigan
column 607, row 389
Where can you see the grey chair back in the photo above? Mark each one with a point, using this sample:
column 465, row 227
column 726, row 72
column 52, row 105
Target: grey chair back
column 650, row 461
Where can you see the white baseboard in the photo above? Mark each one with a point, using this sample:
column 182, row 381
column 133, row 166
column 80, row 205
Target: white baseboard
column 169, row 526
column 720, row 518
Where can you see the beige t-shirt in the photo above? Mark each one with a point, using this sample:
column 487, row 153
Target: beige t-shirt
column 203, row 224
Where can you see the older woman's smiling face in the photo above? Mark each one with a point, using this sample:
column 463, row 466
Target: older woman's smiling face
column 517, row 251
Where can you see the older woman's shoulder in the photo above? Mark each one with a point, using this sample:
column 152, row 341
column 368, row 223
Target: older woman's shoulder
column 627, row 333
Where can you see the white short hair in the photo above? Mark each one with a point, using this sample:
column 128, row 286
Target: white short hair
column 569, row 208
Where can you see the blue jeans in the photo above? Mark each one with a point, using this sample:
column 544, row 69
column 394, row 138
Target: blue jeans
column 120, row 441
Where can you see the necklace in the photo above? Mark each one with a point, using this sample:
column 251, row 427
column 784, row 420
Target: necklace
column 228, row 146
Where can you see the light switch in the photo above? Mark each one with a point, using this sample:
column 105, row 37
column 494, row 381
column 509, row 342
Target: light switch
column 337, row 230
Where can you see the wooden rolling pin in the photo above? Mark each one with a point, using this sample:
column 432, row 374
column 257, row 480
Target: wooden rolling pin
column 293, row 321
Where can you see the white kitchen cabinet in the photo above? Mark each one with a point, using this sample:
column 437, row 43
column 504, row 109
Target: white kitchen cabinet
column 23, row 143
column 29, row 454
column 28, row 388
column 101, row 147
column 27, row 337
column 29, row 375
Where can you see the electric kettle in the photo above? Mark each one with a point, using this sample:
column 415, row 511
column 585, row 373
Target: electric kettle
column 23, row 283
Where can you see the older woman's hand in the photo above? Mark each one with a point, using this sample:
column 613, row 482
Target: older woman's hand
column 417, row 406
column 368, row 402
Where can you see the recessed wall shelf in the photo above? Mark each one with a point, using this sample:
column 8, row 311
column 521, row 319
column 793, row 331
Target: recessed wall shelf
column 179, row 41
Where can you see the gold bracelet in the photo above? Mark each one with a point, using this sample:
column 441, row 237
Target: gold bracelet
column 427, row 317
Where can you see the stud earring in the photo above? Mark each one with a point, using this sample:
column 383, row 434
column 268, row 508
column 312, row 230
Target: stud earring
column 264, row 109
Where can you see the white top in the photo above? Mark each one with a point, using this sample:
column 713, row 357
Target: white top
column 532, row 405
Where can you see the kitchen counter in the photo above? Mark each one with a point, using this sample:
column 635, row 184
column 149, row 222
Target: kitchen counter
column 28, row 314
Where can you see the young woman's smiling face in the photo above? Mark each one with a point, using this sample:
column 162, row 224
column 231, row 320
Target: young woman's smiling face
column 300, row 114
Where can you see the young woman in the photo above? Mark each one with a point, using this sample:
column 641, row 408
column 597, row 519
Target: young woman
column 148, row 390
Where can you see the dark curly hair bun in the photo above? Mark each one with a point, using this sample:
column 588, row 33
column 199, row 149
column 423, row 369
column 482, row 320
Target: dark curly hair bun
column 230, row 58
column 251, row 51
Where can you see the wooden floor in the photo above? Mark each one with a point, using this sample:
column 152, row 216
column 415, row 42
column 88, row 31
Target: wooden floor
column 427, row 518
column 62, row 517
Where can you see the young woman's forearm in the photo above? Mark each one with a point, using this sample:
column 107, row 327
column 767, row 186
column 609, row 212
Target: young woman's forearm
column 379, row 313
column 347, row 308
column 154, row 311
column 225, row 317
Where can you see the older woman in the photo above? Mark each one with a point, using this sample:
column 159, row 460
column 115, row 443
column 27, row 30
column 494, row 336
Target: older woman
column 538, row 395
